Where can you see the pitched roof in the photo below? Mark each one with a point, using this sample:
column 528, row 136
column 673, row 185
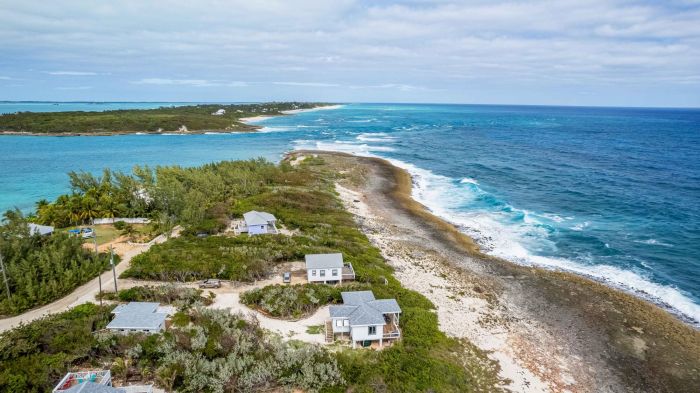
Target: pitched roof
column 137, row 315
column 361, row 308
column 147, row 321
column 258, row 218
column 324, row 261
column 355, row 298
column 136, row 307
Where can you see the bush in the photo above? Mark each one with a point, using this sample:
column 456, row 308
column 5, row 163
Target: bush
column 181, row 297
column 295, row 301
column 120, row 225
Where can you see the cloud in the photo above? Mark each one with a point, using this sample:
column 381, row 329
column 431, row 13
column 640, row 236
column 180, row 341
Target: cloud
column 5, row 78
column 621, row 51
column 74, row 88
column 307, row 84
column 72, row 73
column 188, row 82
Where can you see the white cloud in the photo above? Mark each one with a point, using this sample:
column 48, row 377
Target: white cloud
column 74, row 88
column 72, row 73
column 430, row 49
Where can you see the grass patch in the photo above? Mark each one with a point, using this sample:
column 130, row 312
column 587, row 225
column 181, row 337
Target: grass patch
column 181, row 297
column 315, row 329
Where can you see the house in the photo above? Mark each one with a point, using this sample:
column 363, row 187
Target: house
column 258, row 223
column 40, row 229
column 364, row 319
column 97, row 381
column 328, row 268
column 220, row 112
column 146, row 317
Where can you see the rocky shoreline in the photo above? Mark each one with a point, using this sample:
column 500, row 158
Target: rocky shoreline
column 548, row 330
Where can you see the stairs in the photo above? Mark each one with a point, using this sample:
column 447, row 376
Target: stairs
column 329, row 331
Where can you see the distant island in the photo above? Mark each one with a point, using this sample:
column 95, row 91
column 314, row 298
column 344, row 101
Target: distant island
column 178, row 119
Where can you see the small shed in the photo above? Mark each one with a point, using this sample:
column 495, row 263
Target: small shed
column 40, row 229
column 259, row 223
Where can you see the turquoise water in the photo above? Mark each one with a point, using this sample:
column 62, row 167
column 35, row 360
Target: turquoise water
column 611, row 193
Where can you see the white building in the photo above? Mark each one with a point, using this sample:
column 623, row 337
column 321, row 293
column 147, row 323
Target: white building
column 364, row 319
column 220, row 112
column 259, row 223
column 328, row 268
column 145, row 317
column 40, row 229
column 95, row 381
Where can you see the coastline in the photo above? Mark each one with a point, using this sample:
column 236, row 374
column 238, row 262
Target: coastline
column 246, row 125
column 549, row 330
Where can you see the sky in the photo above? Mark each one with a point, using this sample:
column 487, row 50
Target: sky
column 565, row 52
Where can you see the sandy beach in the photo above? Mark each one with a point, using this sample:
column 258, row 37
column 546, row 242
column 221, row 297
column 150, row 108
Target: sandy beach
column 255, row 119
column 549, row 331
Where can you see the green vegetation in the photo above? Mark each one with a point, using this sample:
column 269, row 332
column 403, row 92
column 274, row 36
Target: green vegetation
column 303, row 199
column 165, row 119
column 41, row 269
column 181, row 297
column 34, row 357
column 204, row 351
column 295, row 301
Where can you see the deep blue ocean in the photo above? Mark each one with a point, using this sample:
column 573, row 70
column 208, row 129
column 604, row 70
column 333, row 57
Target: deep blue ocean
column 610, row 193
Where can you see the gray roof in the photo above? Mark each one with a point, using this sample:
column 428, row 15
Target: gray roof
column 324, row 261
column 40, row 229
column 361, row 308
column 137, row 315
column 258, row 218
column 128, row 320
column 357, row 297
column 136, row 307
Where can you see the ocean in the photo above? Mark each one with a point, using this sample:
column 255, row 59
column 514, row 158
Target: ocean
column 609, row 193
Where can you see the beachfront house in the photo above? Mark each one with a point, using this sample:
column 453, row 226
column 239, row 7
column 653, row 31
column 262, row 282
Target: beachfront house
column 220, row 112
column 364, row 319
column 40, row 229
column 328, row 268
column 258, row 223
column 134, row 317
column 95, row 381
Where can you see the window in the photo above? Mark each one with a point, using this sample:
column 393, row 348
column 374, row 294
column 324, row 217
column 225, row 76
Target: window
column 323, row 273
column 335, row 272
column 346, row 322
column 372, row 330
column 338, row 322
column 313, row 272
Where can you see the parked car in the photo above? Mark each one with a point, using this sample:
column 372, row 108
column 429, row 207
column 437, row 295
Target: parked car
column 87, row 233
column 287, row 277
column 210, row 283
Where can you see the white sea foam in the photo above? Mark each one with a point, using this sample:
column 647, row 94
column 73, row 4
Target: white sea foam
column 273, row 129
column 653, row 242
column 375, row 137
column 443, row 196
column 361, row 149
column 469, row 180
column 514, row 242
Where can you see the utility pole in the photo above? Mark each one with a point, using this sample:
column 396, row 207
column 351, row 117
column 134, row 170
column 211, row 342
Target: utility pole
column 114, row 272
column 4, row 277
column 97, row 258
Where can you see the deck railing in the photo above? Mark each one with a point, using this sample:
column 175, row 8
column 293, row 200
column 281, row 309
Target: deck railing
column 395, row 332
column 102, row 377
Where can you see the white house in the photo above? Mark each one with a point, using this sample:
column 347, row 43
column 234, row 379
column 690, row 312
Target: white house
column 40, row 229
column 364, row 319
column 328, row 268
column 258, row 223
column 220, row 112
column 146, row 317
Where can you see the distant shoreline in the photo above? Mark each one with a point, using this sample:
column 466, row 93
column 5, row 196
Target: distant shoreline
column 245, row 125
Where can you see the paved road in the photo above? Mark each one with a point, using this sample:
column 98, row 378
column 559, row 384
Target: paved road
column 84, row 293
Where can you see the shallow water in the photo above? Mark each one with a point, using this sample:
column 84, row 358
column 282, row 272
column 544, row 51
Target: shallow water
column 612, row 193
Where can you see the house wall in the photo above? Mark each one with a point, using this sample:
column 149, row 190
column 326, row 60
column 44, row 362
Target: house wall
column 361, row 333
column 345, row 325
column 328, row 277
column 148, row 331
column 257, row 229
